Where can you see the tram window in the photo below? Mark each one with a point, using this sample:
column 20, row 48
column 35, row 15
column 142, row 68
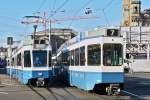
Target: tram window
column 42, row 42
column 94, row 54
column 12, row 62
column 69, row 58
column 19, row 59
column 27, row 59
column 65, row 59
column 112, row 55
column 82, row 56
column 15, row 61
column 36, row 41
column 77, row 57
column 72, row 58
column 50, row 61
column 59, row 60
column 8, row 63
column 39, row 58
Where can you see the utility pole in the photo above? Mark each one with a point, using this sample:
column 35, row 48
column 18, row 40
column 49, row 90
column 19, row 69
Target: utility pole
column 50, row 39
column 10, row 43
column 34, row 34
column 50, row 31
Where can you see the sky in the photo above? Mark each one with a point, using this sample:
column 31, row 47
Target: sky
column 106, row 13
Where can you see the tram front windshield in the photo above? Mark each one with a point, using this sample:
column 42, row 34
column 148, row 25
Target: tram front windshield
column 39, row 58
column 112, row 55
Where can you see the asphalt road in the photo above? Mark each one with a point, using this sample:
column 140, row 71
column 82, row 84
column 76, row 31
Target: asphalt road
column 137, row 87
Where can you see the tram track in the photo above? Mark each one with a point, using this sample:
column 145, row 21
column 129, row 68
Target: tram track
column 49, row 90
column 59, row 92
column 56, row 96
column 37, row 92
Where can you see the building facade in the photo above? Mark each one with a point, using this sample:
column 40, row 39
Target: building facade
column 58, row 36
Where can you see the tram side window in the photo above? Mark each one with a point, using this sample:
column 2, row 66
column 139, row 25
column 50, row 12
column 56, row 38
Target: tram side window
column 27, row 59
column 77, row 57
column 69, row 58
column 12, row 62
column 59, row 60
column 94, row 54
column 72, row 57
column 8, row 63
column 50, row 59
column 112, row 55
column 19, row 59
column 65, row 59
column 82, row 56
column 15, row 61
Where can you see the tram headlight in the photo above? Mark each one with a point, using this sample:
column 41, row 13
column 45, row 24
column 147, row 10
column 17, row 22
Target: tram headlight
column 118, row 90
column 40, row 74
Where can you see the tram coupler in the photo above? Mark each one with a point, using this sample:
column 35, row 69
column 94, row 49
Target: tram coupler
column 113, row 89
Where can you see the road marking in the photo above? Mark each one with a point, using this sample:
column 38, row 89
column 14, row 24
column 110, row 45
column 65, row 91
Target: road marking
column 133, row 94
column 3, row 93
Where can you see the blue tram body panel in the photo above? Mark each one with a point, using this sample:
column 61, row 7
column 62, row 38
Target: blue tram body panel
column 8, row 71
column 35, row 74
column 24, row 76
column 87, row 80
column 113, row 77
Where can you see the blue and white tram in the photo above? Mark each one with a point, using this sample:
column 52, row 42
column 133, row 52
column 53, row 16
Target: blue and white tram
column 92, row 62
column 31, row 63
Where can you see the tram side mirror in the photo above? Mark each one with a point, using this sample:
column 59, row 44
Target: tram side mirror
column 128, row 56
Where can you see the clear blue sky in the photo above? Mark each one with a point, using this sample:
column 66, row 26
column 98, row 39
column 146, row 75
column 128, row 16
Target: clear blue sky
column 12, row 11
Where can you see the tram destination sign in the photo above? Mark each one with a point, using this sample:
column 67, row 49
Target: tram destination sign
column 112, row 32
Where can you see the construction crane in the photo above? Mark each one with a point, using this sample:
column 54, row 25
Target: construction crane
column 43, row 20
column 35, row 20
column 131, row 10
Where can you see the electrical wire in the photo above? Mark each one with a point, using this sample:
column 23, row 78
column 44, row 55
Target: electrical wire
column 76, row 13
column 54, row 3
column 54, row 12
column 106, row 18
column 108, row 4
column 104, row 13
column 62, row 5
column 41, row 5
